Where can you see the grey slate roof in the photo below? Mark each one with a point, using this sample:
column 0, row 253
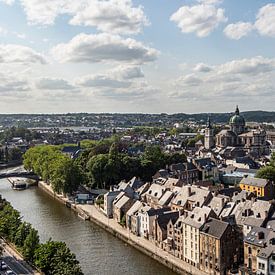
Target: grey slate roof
column 254, row 182
column 215, row 228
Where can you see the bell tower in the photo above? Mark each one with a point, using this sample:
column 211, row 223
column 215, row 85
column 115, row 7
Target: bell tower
column 209, row 136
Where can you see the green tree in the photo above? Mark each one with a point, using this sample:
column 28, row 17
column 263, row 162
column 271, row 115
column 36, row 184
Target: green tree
column 9, row 221
column 55, row 258
column 97, row 171
column 65, row 175
column 30, row 245
column 22, row 233
column 267, row 172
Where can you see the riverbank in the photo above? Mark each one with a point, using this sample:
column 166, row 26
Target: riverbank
column 114, row 228
column 11, row 250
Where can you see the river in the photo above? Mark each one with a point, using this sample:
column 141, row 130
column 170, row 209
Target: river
column 97, row 251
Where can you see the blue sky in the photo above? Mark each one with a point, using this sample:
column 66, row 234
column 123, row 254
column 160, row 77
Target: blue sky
column 136, row 56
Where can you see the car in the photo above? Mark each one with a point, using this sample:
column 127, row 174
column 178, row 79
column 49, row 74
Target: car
column 3, row 266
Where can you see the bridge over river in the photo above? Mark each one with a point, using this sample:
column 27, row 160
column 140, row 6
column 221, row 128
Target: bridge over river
column 18, row 172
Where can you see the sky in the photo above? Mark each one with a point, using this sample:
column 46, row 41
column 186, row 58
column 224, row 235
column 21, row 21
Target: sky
column 136, row 56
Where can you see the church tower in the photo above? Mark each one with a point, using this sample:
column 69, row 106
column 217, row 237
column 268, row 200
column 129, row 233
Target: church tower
column 209, row 136
column 237, row 123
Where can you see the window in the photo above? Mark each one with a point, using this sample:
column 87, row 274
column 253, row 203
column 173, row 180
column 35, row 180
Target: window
column 249, row 250
column 261, row 266
column 272, row 267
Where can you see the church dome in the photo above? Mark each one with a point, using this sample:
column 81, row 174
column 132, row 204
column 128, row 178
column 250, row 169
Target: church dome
column 237, row 119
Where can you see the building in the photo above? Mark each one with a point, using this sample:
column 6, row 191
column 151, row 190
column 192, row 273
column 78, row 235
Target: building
column 192, row 224
column 260, row 187
column 108, row 203
column 253, row 142
column 175, row 238
column 121, row 205
column 220, row 245
column 207, row 169
column 255, row 242
column 209, row 136
column 161, row 226
column 190, row 196
column 266, row 260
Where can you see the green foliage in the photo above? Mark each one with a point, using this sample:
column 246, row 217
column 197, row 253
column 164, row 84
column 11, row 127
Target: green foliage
column 268, row 172
column 51, row 257
column 24, row 133
column 192, row 141
column 14, row 154
column 50, row 164
column 9, row 221
column 107, row 169
column 30, row 245
column 55, row 258
column 65, row 175
column 21, row 234
column 123, row 221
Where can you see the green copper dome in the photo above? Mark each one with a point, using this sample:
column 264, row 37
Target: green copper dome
column 237, row 119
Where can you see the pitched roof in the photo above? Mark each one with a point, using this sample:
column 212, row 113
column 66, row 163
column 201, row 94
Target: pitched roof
column 254, row 182
column 215, row 228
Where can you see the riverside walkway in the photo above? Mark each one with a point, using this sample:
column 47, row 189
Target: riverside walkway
column 140, row 243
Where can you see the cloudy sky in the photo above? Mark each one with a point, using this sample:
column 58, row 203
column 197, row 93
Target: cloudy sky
column 149, row 56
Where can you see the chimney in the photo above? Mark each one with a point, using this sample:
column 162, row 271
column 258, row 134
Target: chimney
column 260, row 235
column 189, row 191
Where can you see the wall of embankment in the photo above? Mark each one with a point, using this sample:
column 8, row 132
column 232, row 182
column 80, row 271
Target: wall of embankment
column 184, row 268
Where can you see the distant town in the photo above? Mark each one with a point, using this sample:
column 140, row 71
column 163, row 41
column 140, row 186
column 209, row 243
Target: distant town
column 196, row 193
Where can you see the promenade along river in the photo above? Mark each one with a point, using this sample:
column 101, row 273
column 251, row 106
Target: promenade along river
column 98, row 251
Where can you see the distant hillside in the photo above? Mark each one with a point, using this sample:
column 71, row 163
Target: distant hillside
column 250, row 116
column 108, row 120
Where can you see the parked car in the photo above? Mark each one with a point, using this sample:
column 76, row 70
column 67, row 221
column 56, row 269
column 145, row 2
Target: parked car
column 10, row 272
column 3, row 266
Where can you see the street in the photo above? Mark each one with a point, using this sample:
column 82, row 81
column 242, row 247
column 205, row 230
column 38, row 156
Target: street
column 15, row 265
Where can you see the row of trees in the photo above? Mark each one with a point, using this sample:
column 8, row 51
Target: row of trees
column 24, row 133
column 268, row 172
column 107, row 165
column 102, row 164
column 50, row 257
column 52, row 166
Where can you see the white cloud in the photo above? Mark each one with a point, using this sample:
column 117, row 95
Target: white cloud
column 189, row 80
column 238, row 30
column 10, row 53
column 42, row 12
column 121, row 77
column 242, row 78
column 200, row 19
column 114, row 16
column 210, row 2
column 128, row 72
column 53, row 84
column 103, row 47
column 252, row 66
column 8, row 2
column 138, row 92
column 203, row 68
column 21, row 35
column 102, row 81
column 265, row 22
column 3, row 31
column 10, row 83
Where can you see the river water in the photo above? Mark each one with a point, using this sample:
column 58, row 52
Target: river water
column 98, row 251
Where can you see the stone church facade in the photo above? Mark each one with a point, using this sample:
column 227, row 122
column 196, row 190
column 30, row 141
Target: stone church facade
column 253, row 142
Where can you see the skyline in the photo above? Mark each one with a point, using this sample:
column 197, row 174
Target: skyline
column 125, row 56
